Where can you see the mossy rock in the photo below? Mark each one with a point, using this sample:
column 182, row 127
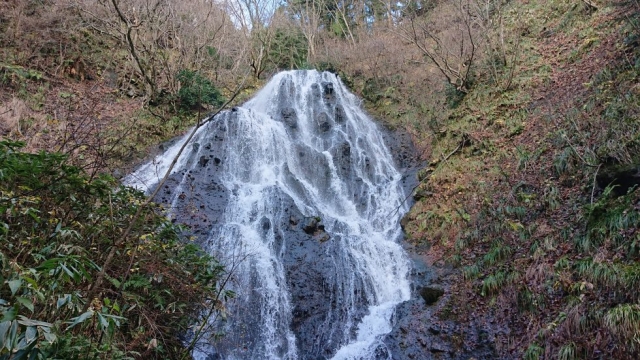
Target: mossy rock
column 431, row 295
column 622, row 176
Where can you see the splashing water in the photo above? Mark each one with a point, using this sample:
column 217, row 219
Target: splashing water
column 298, row 195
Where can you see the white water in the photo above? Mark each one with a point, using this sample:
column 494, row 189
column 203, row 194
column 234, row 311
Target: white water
column 268, row 164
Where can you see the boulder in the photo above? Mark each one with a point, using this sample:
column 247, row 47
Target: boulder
column 289, row 117
column 622, row 176
column 431, row 294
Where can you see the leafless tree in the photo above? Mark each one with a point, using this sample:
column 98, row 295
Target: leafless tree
column 164, row 37
column 307, row 16
column 253, row 18
column 447, row 42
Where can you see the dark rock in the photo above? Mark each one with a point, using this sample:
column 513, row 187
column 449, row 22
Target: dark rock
column 310, row 225
column 340, row 115
column 289, row 117
column 623, row 177
column 439, row 347
column 323, row 237
column 324, row 124
column 431, row 295
column 328, row 91
column 404, row 222
column 435, row 330
column 266, row 224
column 420, row 194
column 203, row 161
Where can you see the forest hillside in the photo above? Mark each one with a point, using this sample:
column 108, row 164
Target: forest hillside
column 525, row 114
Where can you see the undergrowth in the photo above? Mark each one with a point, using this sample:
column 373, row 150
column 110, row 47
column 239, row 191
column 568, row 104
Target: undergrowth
column 533, row 208
column 57, row 226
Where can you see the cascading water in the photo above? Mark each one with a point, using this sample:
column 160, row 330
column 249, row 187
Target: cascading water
column 297, row 193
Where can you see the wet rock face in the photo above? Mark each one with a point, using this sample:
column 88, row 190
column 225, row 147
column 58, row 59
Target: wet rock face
column 323, row 122
column 289, row 117
column 340, row 115
column 328, row 92
column 311, row 225
column 308, row 260
column 309, row 253
column 418, row 332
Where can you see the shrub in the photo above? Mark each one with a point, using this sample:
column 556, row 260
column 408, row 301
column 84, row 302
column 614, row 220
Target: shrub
column 196, row 91
column 289, row 49
column 57, row 226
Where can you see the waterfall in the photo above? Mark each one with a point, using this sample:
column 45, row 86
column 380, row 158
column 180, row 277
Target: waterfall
column 297, row 192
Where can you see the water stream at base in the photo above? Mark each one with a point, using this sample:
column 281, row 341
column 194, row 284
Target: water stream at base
column 263, row 174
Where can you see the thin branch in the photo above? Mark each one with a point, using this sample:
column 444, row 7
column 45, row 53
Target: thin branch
column 132, row 48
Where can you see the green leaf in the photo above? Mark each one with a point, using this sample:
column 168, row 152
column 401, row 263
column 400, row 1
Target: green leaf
column 4, row 331
column 62, row 301
column 111, row 318
column 69, row 272
column 49, row 264
column 12, row 340
column 31, row 281
column 50, row 337
column 9, row 314
column 25, row 350
column 30, row 334
column 115, row 282
column 78, row 319
column 23, row 320
column 104, row 323
column 14, row 285
column 26, row 302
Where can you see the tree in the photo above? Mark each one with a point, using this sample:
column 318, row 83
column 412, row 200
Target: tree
column 254, row 19
column 308, row 14
column 164, row 37
column 448, row 42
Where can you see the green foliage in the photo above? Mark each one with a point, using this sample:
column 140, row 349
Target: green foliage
column 533, row 352
column 527, row 300
column 624, row 321
column 498, row 253
column 454, row 96
column 610, row 219
column 57, row 226
column 471, row 272
column 289, row 49
column 568, row 352
column 492, row 284
column 15, row 75
column 197, row 91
